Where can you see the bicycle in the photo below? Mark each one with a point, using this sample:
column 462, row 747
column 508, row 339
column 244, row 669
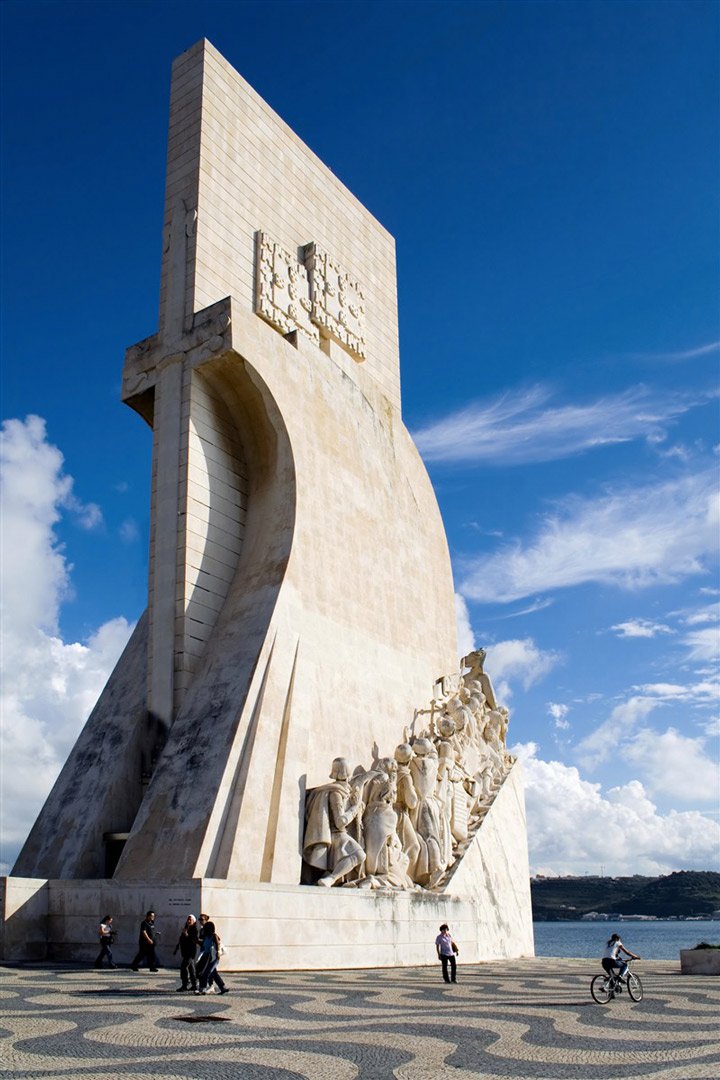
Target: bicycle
column 604, row 987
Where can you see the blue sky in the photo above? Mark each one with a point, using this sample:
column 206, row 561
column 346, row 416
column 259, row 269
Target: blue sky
column 550, row 174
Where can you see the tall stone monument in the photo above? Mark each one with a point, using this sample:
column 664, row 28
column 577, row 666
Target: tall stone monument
column 300, row 617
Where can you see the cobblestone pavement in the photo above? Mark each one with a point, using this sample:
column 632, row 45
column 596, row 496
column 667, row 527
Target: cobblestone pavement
column 519, row 1019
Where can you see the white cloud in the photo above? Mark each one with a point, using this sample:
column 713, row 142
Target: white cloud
column 699, row 693
column 703, row 644
column 709, row 613
column 88, row 515
column 466, row 637
column 129, row 531
column 518, row 660
column 631, row 538
column 674, row 764
column 520, row 426
column 681, row 354
column 538, row 605
column 603, row 742
column 48, row 686
column 573, row 827
column 640, row 628
column 558, row 713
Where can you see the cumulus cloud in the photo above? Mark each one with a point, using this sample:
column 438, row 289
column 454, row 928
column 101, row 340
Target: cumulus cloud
column 633, row 538
column 574, row 827
column 522, row 426
column 640, row 628
column 675, row 764
column 466, row 637
column 518, row 660
column 48, row 686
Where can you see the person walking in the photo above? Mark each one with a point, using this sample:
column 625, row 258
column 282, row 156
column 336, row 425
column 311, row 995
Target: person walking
column 187, row 944
column 106, row 939
column 447, row 950
column 146, row 944
column 209, row 958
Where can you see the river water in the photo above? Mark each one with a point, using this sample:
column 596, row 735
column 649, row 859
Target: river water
column 659, row 940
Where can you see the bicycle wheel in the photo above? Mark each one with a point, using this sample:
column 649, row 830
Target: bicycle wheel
column 600, row 990
column 634, row 987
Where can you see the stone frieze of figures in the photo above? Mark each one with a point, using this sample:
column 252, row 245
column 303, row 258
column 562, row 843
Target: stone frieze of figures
column 405, row 822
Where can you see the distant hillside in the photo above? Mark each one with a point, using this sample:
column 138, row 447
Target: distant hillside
column 688, row 892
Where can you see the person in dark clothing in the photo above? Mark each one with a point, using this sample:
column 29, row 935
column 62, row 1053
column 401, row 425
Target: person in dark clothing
column 209, row 958
column 187, row 944
column 146, row 944
column 106, row 939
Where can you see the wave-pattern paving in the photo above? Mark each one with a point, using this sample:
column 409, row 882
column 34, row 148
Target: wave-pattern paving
column 513, row 1020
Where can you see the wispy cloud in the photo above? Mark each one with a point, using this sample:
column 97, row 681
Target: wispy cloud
column 705, row 692
column 633, row 538
column 641, row 628
column 703, row 644
column 523, row 426
column 680, row 354
column 602, row 743
column 538, row 605
column 129, row 531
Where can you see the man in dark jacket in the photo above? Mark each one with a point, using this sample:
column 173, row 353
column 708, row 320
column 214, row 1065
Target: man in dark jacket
column 187, row 944
column 146, row 944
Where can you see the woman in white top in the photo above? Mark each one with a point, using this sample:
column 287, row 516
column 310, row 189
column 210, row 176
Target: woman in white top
column 611, row 961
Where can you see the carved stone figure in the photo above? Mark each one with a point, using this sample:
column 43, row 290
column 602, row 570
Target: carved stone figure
column 446, row 798
column 426, row 816
column 380, row 820
column 328, row 845
column 406, row 800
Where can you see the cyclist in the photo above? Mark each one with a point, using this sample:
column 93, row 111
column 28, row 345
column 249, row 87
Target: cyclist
column 611, row 961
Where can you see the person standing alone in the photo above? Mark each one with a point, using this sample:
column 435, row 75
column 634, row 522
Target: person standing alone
column 446, row 950
column 146, row 944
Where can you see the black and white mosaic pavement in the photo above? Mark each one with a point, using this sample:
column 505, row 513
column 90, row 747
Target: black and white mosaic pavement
column 516, row 1019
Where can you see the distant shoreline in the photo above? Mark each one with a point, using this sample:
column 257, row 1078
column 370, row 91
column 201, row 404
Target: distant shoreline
column 632, row 918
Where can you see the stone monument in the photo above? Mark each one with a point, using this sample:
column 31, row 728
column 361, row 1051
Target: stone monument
column 300, row 607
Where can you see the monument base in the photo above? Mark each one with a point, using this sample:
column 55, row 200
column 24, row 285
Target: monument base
column 268, row 927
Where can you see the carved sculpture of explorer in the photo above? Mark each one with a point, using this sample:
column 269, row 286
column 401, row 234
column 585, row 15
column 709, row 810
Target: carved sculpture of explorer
column 328, row 846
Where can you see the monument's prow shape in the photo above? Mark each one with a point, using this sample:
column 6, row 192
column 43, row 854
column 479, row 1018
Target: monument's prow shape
column 300, row 600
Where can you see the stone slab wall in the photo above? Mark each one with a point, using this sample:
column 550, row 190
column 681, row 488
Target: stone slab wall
column 24, row 918
column 234, row 162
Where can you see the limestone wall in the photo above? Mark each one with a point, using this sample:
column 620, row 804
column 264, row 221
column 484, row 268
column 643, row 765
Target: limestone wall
column 229, row 155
